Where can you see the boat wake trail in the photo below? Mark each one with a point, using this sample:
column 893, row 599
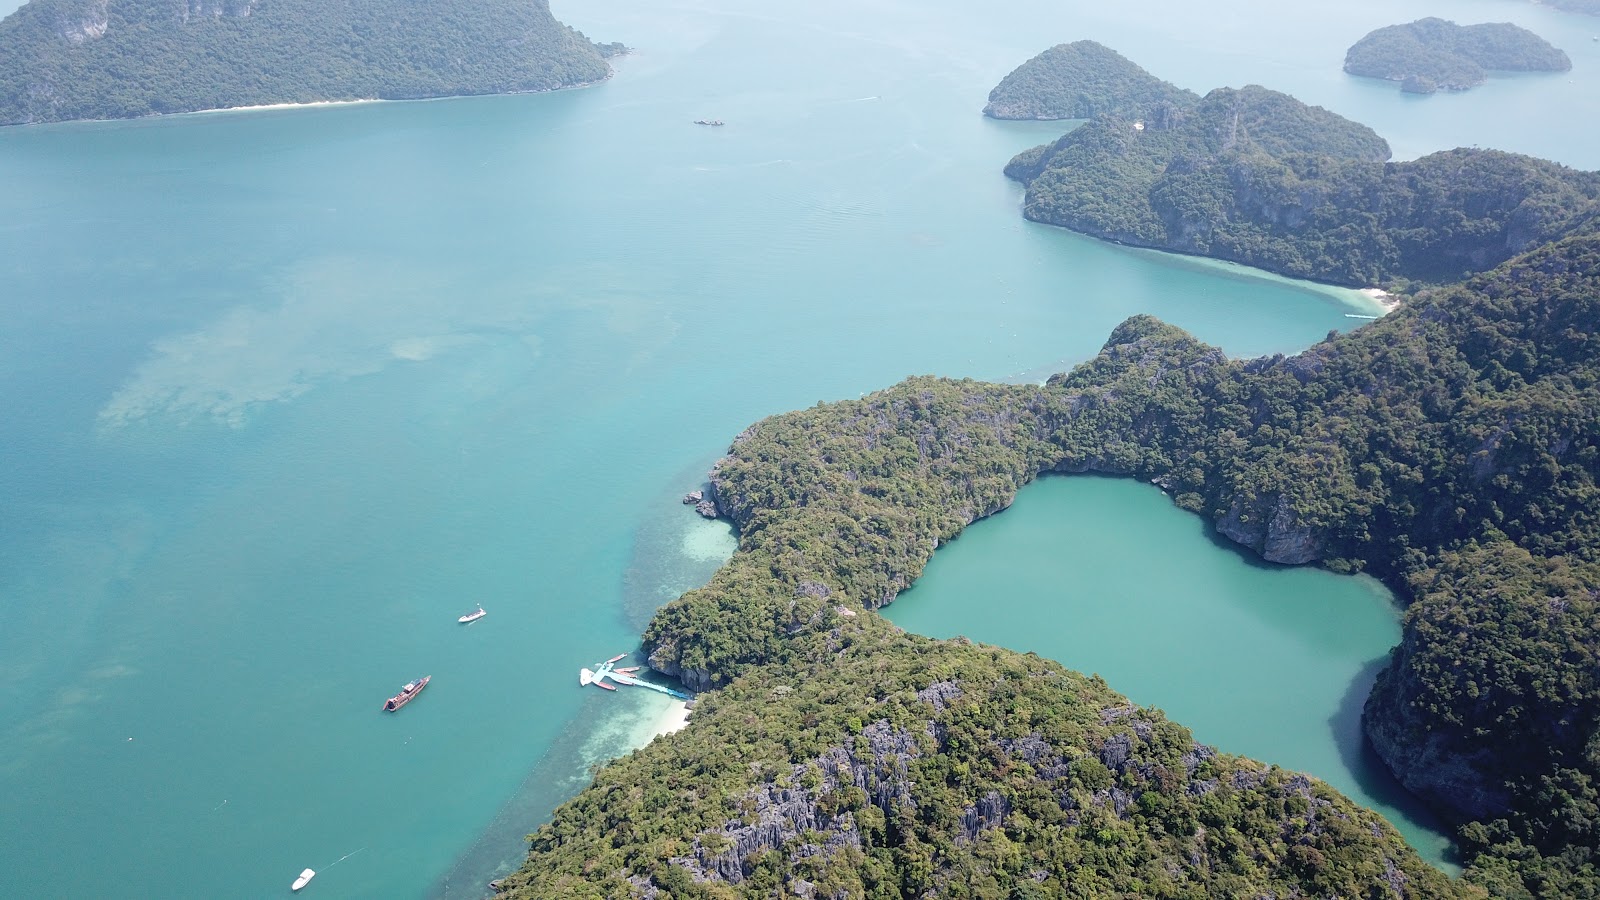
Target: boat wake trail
column 342, row 858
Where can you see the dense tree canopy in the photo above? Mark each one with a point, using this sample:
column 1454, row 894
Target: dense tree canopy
column 1433, row 54
column 1258, row 178
column 1082, row 80
column 112, row 59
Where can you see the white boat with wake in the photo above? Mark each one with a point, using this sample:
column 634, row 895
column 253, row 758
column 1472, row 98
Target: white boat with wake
column 471, row 617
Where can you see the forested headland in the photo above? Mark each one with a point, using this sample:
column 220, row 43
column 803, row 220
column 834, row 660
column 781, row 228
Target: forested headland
column 1431, row 54
column 1452, row 448
column 1259, row 178
column 1082, row 80
column 115, row 59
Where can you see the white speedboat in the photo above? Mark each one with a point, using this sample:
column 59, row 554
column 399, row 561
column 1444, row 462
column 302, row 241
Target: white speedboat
column 303, row 880
column 472, row 616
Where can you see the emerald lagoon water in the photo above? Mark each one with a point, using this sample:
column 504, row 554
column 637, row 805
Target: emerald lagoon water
column 1108, row 576
column 285, row 392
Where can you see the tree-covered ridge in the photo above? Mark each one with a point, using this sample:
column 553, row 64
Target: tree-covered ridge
column 872, row 487
column 109, row 59
column 875, row 764
column 1082, row 80
column 1308, row 209
column 1433, row 54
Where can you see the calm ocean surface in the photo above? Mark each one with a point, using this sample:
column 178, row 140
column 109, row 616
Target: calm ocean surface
column 285, row 392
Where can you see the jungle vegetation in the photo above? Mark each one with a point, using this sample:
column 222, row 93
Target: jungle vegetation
column 1256, row 177
column 115, row 59
column 1082, row 80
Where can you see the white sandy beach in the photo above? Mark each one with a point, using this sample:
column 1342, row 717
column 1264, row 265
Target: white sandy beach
column 674, row 718
column 1385, row 300
column 264, row 106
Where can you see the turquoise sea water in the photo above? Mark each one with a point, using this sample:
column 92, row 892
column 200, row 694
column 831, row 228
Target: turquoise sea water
column 285, row 392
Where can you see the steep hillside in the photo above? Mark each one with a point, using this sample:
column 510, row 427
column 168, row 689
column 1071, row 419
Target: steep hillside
column 1082, row 80
column 1314, row 210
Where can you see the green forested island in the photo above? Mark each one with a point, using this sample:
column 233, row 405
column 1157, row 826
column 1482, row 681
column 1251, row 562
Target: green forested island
column 1082, row 80
column 1259, row 178
column 1452, row 448
column 1434, row 54
column 113, row 59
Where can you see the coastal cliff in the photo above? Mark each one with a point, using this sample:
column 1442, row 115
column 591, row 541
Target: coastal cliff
column 114, row 59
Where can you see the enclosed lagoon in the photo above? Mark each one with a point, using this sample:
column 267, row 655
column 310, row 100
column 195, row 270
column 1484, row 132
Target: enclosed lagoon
column 1107, row 576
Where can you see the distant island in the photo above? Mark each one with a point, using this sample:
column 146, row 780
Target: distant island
column 1082, row 80
column 1430, row 55
column 115, row 59
column 1591, row 7
column 1257, row 177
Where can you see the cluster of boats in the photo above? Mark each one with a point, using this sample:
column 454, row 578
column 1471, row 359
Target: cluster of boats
column 412, row 688
column 625, row 675
column 408, row 693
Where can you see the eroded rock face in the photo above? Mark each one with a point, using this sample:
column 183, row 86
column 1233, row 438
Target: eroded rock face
column 1270, row 527
column 1428, row 761
column 86, row 23
column 664, row 659
column 777, row 815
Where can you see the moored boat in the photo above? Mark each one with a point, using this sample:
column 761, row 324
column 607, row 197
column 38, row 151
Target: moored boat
column 471, row 617
column 303, row 880
column 406, row 695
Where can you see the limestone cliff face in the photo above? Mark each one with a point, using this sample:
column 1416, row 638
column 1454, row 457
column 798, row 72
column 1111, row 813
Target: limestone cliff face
column 1271, row 528
column 1428, row 760
column 83, row 22
column 663, row 657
